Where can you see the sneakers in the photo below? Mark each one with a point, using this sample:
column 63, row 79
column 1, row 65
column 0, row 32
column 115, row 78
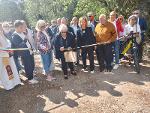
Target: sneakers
column 85, row 70
column 116, row 66
column 102, row 69
column 33, row 81
column 65, row 76
column 108, row 71
column 74, row 73
column 50, row 78
column 92, row 72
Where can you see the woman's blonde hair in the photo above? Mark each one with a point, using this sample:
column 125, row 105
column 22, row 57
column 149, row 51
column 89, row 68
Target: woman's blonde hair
column 40, row 24
column 81, row 19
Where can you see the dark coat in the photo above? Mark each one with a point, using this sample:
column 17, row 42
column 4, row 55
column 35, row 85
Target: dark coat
column 66, row 43
column 18, row 42
column 143, row 26
column 85, row 37
column 70, row 29
column 95, row 23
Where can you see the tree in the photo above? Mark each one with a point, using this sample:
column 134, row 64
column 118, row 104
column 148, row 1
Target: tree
column 10, row 11
column 124, row 7
column 47, row 9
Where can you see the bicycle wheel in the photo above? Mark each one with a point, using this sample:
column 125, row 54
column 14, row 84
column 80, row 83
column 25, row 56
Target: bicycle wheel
column 136, row 60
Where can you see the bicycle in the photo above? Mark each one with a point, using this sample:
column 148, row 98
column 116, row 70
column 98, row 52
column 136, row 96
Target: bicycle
column 131, row 43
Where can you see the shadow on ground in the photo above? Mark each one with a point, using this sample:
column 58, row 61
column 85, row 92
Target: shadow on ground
column 33, row 98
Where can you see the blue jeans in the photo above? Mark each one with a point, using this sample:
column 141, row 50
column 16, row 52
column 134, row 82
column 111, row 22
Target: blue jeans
column 117, row 46
column 47, row 59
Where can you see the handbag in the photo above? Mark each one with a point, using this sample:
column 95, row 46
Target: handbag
column 70, row 56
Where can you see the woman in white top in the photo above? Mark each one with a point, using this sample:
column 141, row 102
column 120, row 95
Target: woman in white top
column 9, row 76
column 134, row 27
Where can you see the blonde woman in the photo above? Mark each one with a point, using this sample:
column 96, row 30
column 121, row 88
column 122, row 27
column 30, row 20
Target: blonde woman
column 45, row 48
column 86, row 37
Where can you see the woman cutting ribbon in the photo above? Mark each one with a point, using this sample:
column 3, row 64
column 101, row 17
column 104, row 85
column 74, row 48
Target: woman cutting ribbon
column 9, row 76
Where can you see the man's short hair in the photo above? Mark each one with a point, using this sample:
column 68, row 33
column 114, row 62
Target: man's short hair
column 90, row 14
column 18, row 23
column 102, row 15
column 112, row 13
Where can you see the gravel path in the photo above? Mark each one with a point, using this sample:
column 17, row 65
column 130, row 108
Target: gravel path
column 123, row 91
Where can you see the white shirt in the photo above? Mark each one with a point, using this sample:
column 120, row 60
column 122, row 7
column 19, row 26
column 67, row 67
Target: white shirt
column 114, row 23
column 129, row 28
column 30, row 38
column 75, row 28
column 4, row 43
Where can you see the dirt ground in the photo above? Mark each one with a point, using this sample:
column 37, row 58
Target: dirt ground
column 122, row 91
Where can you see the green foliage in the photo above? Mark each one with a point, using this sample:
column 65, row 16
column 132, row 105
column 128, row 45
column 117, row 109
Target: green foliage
column 48, row 9
column 10, row 11
column 52, row 9
column 124, row 7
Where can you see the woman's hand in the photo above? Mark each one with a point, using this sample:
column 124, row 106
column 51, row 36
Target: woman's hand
column 62, row 49
column 45, row 49
column 137, row 35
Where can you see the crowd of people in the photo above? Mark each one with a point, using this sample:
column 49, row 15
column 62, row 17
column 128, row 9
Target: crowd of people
column 67, row 42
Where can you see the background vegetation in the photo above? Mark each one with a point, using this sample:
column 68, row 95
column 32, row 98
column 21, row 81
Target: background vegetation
column 32, row 10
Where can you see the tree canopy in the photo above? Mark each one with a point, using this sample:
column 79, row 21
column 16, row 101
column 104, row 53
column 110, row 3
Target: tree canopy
column 32, row 10
column 10, row 11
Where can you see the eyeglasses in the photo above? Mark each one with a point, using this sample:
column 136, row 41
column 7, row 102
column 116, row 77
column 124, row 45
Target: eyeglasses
column 63, row 32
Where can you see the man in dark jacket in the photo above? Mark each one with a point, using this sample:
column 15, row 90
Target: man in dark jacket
column 19, row 40
column 143, row 25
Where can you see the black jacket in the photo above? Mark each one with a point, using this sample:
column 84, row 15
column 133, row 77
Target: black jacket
column 18, row 42
column 85, row 37
column 60, row 42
